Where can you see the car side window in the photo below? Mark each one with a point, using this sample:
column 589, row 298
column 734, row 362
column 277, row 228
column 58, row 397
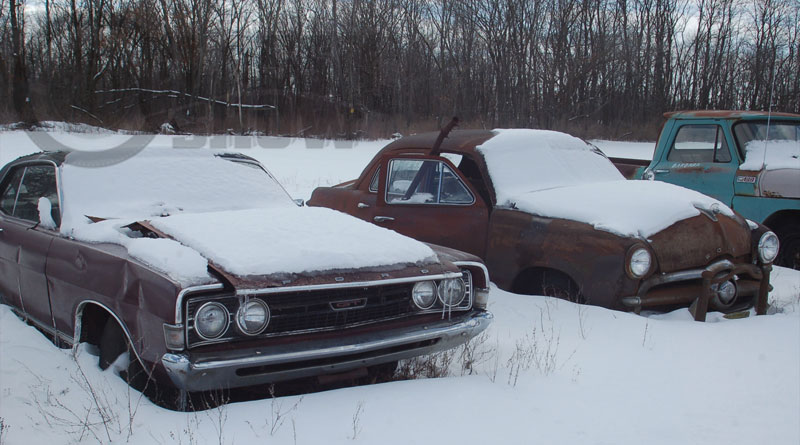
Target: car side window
column 373, row 184
column 10, row 190
column 699, row 143
column 38, row 181
column 418, row 181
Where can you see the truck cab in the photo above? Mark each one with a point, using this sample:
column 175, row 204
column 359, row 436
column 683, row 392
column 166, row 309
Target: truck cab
column 748, row 160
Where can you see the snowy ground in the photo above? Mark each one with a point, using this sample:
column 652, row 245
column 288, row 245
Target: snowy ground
column 546, row 371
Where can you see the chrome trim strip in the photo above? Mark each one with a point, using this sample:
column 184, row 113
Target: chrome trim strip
column 39, row 325
column 476, row 264
column 192, row 289
column 311, row 287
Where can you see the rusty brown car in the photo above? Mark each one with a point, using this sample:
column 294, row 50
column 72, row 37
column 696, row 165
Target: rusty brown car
column 202, row 267
column 551, row 215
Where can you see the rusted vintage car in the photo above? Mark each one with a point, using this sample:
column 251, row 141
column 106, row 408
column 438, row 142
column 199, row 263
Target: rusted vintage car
column 202, row 267
column 551, row 215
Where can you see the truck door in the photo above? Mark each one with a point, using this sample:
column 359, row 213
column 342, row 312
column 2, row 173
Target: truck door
column 700, row 157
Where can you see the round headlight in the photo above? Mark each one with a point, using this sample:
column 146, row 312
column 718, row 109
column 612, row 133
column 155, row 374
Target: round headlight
column 211, row 320
column 252, row 317
column 452, row 292
column 726, row 293
column 640, row 262
column 768, row 247
column 424, row 294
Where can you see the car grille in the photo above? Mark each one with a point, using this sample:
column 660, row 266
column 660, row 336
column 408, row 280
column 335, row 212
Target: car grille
column 293, row 313
column 315, row 310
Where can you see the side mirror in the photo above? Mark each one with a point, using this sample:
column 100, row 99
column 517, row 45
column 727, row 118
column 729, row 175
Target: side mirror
column 299, row 202
column 45, row 208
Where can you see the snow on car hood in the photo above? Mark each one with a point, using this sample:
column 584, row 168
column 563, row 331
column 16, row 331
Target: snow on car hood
column 260, row 242
column 294, row 240
column 626, row 208
column 771, row 155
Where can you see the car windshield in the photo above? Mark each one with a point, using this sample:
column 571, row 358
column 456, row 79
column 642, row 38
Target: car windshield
column 160, row 182
column 770, row 145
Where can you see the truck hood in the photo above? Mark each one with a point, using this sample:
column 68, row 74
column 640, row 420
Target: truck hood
column 626, row 208
column 780, row 183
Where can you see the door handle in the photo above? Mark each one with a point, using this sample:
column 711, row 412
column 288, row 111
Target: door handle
column 660, row 170
column 383, row 218
column 362, row 205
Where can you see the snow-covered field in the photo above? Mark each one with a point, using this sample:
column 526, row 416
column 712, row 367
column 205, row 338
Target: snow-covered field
column 546, row 371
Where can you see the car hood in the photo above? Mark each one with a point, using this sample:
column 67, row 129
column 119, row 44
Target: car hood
column 698, row 241
column 626, row 208
column 264, row 245
column 267, row 247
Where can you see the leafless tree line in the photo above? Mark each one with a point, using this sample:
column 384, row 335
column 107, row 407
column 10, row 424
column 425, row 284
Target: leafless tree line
column 344, row 67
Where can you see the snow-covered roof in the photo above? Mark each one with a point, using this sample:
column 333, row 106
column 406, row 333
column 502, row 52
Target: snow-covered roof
column 158, row 182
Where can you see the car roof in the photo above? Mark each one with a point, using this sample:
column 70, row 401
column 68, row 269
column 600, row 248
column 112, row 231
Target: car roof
column 459, row 141
column 728, row 114
column 51, row 156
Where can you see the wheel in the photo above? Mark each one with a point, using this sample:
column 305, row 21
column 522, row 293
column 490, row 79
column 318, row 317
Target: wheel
column 549, row 283
column 114, row 343
column 789, row 254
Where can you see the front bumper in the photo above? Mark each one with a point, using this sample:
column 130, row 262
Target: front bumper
column 268, row 364
column 667, row 289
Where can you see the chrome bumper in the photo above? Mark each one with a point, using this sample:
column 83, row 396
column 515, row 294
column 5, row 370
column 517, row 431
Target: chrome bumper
column 714, row 273
column 268, row 364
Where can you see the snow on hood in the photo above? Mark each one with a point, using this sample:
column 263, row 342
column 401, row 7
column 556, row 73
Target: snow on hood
column 780, row 154
column 625, row 208
column 293, row 240
column 522, row 160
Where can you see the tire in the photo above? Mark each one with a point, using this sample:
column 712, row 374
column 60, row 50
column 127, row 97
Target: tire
column 789, row 254
column 114, row 343
column 549, row 283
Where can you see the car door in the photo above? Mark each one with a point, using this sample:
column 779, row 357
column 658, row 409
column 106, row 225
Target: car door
column 427, row 198
column 702, row 158
column 25, row 241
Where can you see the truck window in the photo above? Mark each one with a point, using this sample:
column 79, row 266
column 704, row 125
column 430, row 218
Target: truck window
column 699, row 143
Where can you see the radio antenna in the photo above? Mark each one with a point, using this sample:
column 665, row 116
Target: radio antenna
column 769, row 115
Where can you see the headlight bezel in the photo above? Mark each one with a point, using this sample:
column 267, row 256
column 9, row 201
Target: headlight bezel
column 197, row 320
column 633, row 261
column 242, row 311
column 762, row 241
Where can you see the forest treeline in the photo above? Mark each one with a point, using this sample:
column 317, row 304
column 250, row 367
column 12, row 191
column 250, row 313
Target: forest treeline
column 347, row 68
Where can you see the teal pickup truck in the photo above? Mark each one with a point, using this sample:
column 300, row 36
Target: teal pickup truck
column 749, row 160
